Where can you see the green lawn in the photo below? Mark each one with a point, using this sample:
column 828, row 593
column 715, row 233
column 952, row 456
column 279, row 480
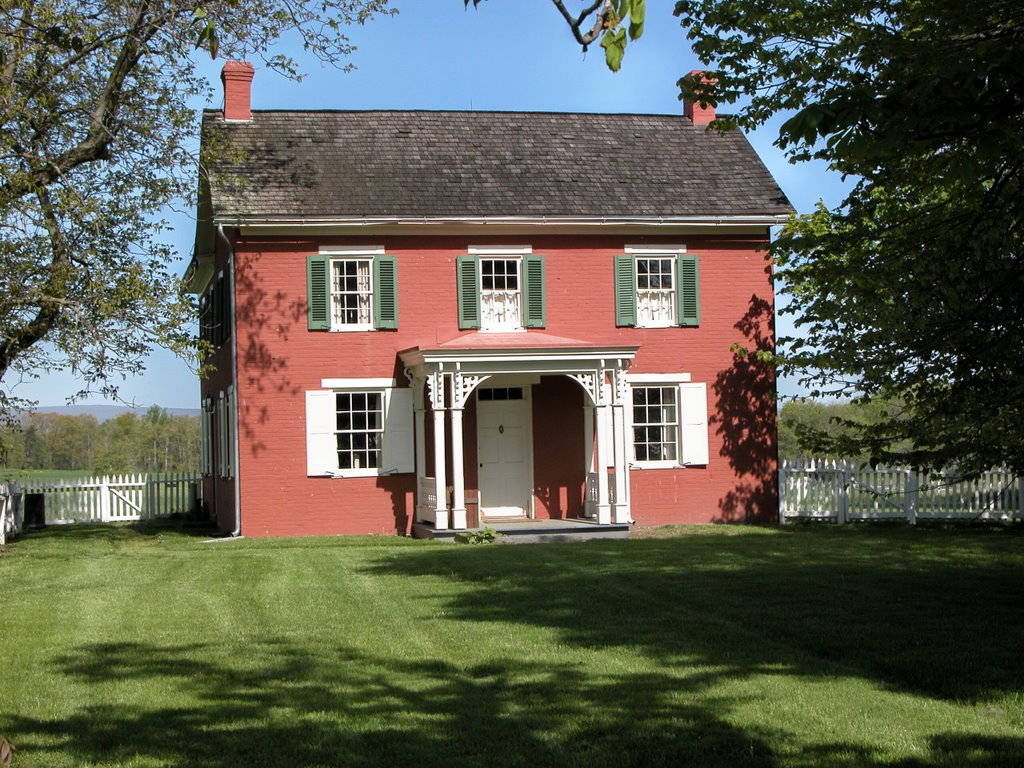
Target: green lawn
column 42, row 475
column 803, row 646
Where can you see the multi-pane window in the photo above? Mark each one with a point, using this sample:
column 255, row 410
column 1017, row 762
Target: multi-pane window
column 501, row 289
column 657, row 288
column 359, row 429
column 351, row 293
column 655, row 423
column 492, row 394
column 500, row 295
column 655, row 292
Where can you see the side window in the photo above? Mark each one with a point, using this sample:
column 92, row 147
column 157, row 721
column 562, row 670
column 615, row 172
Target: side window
column 359, row 429
column 655, row 424
column 501, row 291
column 215, row 311
column 669, row 421
column 206, row 437
column 352, row 290
column 655, row 290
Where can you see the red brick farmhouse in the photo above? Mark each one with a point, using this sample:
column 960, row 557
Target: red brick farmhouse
column 433, row 321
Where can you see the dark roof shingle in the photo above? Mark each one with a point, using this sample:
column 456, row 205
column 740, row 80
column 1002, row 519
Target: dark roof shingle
column 418, row 163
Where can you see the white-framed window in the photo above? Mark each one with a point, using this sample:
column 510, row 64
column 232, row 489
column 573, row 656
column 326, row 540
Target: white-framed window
column 359, row 432
column 206, row 437
column 655, row 423
column 225, row 415
column 501, row 295
column 668, row 420
column 359, row 428
column 352, row 288
column 657, row 287
column 351, row 294
column 501, row 288
column 655, row 291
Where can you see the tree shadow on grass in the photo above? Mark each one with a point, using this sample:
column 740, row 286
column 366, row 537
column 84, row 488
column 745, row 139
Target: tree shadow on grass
column 935, row 613
column 282, row 705
column 938, row 613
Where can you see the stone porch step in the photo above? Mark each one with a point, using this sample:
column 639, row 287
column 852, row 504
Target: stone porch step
column 533, row 531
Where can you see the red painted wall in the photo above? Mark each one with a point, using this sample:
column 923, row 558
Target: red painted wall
column 279, row 359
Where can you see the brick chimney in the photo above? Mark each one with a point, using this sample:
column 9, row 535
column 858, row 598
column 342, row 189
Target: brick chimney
column 237, row 79
column 699, row 115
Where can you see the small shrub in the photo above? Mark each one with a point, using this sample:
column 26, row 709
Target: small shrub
column 483, row 536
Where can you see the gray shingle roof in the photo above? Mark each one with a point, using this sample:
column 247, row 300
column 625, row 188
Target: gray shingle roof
column 416, row 163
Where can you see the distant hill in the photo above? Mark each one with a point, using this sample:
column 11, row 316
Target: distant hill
column 105, row 412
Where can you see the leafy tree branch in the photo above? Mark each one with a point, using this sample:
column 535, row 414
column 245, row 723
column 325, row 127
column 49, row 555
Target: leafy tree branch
column 96, row 131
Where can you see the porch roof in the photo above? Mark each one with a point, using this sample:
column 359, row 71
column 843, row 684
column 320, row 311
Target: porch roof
column 528, row 347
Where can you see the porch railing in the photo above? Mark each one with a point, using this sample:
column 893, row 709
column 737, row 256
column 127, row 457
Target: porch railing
column 426, row 500
column 592, row 498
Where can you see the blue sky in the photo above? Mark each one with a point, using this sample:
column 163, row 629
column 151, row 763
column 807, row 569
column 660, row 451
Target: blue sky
column 506, row 55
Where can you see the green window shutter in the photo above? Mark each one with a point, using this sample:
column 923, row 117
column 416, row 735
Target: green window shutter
column 218, row 311
column 625, row 291
column 385, row 292
column 534, row 299
column 688, row 291
column 317, row 268
column 468, row 268
column 225, row 308
column 204, row 317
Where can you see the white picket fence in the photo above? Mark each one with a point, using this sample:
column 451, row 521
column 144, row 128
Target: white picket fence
column 843, row 491
column 117, row 498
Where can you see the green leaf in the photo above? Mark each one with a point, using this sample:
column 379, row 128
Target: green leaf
column 636, row 19
column 614, row 44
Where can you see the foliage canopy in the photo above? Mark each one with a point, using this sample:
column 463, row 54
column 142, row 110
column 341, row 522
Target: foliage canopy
column 96, row 140
column 910, row 290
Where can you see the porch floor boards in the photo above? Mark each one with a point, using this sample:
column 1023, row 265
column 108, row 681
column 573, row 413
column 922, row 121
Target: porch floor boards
column 533, row 531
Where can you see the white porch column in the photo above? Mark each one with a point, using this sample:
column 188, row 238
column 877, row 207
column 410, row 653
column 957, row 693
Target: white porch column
column 440, row 480
column 418, row 386
column 621, row 393
column 604, row 509
column 458, row 465
column 588, row 438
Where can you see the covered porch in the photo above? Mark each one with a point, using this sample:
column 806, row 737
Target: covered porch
column 475, row 417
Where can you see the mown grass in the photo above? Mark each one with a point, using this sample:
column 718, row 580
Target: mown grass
column 698, row 647
column 43, row 475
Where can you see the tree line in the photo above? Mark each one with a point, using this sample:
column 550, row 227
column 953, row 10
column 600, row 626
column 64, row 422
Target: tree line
column 830, row 428
column 156, row 441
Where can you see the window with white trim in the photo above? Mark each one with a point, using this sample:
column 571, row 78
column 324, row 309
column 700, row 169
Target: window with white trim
column 501, row 297
column 501, row 288
column 351, row 294
column 225, row 408
column 352, row 289
column 655, row 424
column 655, row 292
column 668, row 421
column 359, row 428
column 657, row 287
column 206, row 437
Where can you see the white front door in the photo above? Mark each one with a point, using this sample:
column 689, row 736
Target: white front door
column 503, row 451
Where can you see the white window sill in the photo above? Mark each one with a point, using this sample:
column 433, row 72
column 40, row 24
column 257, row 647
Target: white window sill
column 516, row 329
column 340, row 473
column 656, row 465
column 348, row 328
column 656, row 325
